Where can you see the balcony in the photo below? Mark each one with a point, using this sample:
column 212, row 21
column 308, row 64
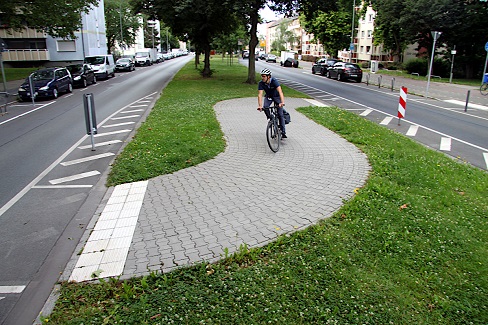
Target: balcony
column 26, row 55
column 24, row 33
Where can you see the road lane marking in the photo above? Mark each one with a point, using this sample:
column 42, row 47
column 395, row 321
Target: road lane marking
column 315, row 102
column 101, row 144
column 458, row 102
column 82, row 160
column 124, row 117
column 26, row 113
column 61, row 186
column 386, row 120
column 74, row 177
column 485, row 155
column 445, row 144
column 118, row 124
column 412, row 130
column 36, row 180
column 111, row 133
column 132, row 111
column 11, row 289
column 366, row 112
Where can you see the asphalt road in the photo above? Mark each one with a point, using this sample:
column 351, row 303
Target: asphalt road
column 52, row 180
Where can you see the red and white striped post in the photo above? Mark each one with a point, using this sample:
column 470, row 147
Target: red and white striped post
column 402, row 104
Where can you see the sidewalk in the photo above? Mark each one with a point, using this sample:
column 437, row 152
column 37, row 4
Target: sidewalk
column 240, row 197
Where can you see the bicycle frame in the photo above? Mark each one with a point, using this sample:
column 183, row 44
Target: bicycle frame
column 273, row 131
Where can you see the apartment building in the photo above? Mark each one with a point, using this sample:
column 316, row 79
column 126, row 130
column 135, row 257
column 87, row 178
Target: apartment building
column 30, row 47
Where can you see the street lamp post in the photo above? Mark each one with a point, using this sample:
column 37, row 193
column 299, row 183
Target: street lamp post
column 351, row 46
column 435, row 36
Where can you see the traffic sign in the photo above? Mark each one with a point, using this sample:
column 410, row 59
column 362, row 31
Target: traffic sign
column 486, row 47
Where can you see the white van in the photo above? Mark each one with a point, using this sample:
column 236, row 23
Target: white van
column 103, row 65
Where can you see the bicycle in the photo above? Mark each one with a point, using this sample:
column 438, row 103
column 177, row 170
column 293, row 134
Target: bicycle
column 273, row 131
column 484, row 89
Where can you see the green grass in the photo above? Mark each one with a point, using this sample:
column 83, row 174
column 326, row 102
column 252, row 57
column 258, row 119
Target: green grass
column 16, row 73
column 182, row 129
column 409, row 248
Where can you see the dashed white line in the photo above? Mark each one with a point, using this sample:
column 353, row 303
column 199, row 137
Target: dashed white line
column 74, row 177
column 82, row 160
column 101, row 144
column 119, row 124
column 124, row 117
column 61, row 186
column 111, row 133
column 11, row 289
column 366, row 112
column 445, row 144
column 132, row 111
column 386, row 120
column 412, row 130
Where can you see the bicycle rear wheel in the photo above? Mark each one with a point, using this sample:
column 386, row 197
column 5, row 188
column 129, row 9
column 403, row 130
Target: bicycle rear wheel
column 273, row 135
column 484, row 89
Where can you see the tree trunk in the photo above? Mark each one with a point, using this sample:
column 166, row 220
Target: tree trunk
column 206, row 73
column 253, row 42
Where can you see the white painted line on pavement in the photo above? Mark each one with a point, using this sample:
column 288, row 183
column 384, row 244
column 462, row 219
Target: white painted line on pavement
column 16, row 117
column 485, row 155
column 101, row 144
column 366, row 112
column 386, row 120
column 111, row 133
column 61, row 186
column 412, row 130
column 74, row 177
column 461, row 103
column 11, row 289
column 124, row 117
column 138, row 105
column 2, row 298
column 445, row 144
column 118, row 124
column 132, row 111
column 82, row 160
column 315, row 102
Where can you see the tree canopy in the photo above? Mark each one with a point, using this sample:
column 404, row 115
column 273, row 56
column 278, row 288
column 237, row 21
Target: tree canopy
column 58, row 18
column 121, row 23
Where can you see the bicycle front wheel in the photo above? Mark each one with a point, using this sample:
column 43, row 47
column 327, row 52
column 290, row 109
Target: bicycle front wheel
column 484, row 89
column 273, row 135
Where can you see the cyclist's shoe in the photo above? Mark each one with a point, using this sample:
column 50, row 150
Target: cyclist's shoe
column 283, row 136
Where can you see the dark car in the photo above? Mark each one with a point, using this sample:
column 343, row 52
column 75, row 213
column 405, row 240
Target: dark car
column 322, row 65
column 344, row 70
column 125, row 64
column 290, row 62
column 82, row 75
column 47, row 83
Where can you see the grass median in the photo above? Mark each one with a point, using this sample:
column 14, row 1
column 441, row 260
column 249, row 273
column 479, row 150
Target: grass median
column 409, row 248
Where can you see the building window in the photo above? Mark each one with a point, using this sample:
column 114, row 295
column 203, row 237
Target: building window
column 362, row 34
column 66, row 46
column 368, row 49
column 361, row 49
column 370, row 33
column 370, row 17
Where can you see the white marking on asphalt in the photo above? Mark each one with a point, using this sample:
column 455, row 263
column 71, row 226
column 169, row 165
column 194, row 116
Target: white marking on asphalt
column 445, row 144
column 36, row 180
column 124, row 117
column 2, row 298
column 11, row 289
column 485, row 155
column 386, row 120
column 74, row 177
column 82, row 160
column 315, row 102
column 132, row 111
column 111, row 133
column 16, row 117
column 119, row 124
column 101, row 144
column 412, row 130
column 106, row 250
column 138, row 105
column 61, row 186
column 366, row 112
column 461, row 103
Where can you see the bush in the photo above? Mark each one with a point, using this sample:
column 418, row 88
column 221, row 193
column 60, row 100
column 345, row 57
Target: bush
column 417, row 66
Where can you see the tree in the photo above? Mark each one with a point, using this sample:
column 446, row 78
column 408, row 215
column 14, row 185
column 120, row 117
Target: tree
column 198, row 20
column 58, row 18
column 333, row 29
column 151, row 35
column 121, row 24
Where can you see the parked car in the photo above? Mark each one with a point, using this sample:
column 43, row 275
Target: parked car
column 263, row 56
column 103, row 65
column 47, row 83
column 290, row 62
column 322, row 65
column 124, row 64
column 271, row 58
column 245, row 54
column 82, row 75
column 344, row 70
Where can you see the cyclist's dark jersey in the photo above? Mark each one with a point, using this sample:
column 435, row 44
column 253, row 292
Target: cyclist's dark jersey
column 270, row 89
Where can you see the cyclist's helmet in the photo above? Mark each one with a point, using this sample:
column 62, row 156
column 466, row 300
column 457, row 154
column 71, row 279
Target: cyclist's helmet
column 266, row 72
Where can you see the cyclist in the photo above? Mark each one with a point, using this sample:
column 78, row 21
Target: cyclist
column 273, row 91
